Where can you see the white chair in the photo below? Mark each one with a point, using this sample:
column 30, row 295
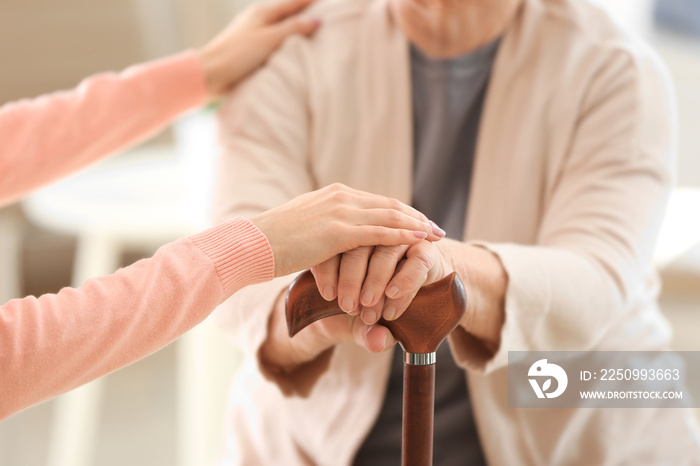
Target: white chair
column 10, row 251
column 139, row 200
column 10, row 288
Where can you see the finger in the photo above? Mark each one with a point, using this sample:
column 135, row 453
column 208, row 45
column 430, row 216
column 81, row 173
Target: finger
column 326, row 275
column 409, row 279
column 399, row 206
column 396, row 219
column 378, row 338
column 374, row 338
column 367, row 235
column 382, row 266
column 367, row 200
column 370, row 315
column 333, row 330
column 291, row 26
column 340, row 187
column 353, row 267
column 380, row 202
column 394, row 308
column 280, row 10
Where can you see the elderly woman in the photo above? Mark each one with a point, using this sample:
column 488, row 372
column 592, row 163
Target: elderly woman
column 541, row 137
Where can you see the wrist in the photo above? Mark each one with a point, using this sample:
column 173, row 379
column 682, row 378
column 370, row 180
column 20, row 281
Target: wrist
column 490, row 281
column 485, row 281
column 210, row 60
column 285, row 353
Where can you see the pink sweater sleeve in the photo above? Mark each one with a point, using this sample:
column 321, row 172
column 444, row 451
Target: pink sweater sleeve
column 51, row 344
column 46, row 138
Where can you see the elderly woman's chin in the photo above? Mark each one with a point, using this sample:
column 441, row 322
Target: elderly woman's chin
column 450, row 28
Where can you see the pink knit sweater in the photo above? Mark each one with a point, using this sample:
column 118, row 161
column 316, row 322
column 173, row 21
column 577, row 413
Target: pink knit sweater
column 51, row 344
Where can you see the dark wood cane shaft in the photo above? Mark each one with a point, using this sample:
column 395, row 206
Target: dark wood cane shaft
column 418, row 414
column 434, row 312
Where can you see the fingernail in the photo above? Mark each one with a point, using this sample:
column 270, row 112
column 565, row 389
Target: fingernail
column 367, row 298
column 437, row 231
column 393, row 291
column 328, row 293
column 348, row 304
column 370, row 317
column 390, row 313
column 420, row 234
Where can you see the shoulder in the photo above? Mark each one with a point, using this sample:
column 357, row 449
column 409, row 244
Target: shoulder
column 342, row 25
column 298, row 65
column 602, row 72
column 588, row 29
column 580, row 49
column 338, row 45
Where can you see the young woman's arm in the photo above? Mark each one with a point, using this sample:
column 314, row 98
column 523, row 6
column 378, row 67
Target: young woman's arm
column 49, row 137
column 51, row 344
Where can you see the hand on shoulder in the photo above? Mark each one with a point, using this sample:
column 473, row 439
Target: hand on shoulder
column 250, row 38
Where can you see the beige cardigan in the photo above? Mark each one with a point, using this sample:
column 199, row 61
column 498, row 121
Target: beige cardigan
column 572, row 171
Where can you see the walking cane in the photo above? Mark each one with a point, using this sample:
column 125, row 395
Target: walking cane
column 433, row 314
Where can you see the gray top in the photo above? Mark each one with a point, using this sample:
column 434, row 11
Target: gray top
column 447, row 100
column 447, row 97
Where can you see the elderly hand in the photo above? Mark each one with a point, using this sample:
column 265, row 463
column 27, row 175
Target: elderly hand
column 289, row 353
column 482, row 273
column 383, row 280
column 386, row 279
column 322, row 224
column 249, row 39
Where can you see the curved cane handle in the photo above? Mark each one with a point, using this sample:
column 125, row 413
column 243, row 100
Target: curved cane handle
column 430, row 318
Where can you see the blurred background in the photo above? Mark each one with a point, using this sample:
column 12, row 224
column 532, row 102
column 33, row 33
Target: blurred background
column 167, row 409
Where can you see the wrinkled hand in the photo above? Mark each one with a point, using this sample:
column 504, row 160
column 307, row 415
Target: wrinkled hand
column 249, row 40
column 289, row 353
column 316, row 226
column 380, row 281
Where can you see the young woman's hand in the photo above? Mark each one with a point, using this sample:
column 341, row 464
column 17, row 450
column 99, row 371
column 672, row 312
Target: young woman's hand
column 317, row 226
column 249, row 40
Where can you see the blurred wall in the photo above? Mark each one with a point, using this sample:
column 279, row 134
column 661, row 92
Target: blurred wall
column 50, row 45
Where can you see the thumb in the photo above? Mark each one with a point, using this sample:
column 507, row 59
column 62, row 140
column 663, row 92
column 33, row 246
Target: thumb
column 291, row 26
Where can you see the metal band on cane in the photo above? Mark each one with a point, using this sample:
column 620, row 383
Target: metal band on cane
column 419, row 359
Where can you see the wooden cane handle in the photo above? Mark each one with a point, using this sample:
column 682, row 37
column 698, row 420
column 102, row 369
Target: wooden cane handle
column 432, row 315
